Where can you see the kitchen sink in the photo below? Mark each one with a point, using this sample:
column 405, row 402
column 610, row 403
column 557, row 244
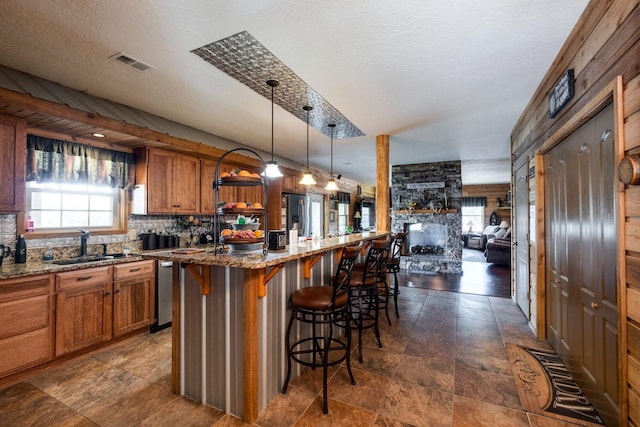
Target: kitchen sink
column 88, row 258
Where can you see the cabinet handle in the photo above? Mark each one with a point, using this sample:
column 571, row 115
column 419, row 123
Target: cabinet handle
column 133, row 270
column 116, row 291
column 176, row 206
column 594, row 305
column 82, row 279
column 107, row 293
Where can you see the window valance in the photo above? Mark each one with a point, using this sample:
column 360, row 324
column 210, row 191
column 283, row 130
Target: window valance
column 52, row 160
column 474, row 201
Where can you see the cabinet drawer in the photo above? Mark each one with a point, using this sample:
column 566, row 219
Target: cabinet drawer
column 25, row 350
column 12, row 289
column 24, row 315
column 83, row 277
column 133, row 269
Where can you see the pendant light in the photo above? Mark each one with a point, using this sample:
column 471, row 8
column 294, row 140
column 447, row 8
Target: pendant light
column 272, row 170
column 307, row 178
column 331, row 185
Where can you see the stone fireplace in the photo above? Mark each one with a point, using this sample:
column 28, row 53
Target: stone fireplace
column 426, row 203
column 425, row 238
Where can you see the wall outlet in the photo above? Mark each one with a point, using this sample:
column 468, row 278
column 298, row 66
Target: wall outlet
column 132, row 235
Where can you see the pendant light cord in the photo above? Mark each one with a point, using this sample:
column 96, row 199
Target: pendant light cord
column 332, row 125
column 272, row 86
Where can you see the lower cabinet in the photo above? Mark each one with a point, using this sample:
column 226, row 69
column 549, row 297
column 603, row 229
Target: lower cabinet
column 95, row 304
column 26, row 327
column 83, row 308
column 133, row 296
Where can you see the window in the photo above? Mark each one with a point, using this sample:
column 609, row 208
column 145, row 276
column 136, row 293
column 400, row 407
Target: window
column 55, row 206
column 343, row 217
column 473, row 218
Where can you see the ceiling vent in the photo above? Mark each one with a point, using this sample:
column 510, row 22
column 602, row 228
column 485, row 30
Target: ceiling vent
column 131, row 62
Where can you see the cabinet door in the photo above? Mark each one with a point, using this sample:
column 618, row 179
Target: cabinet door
column 227, row 194
column 160, row 181
column 186, row 189
column 83, row 317
column 133, row 304
column 26, row 326
column 12, row 174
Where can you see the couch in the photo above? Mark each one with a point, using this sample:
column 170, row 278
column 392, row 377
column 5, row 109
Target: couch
column 479, row 241
column 498, row 251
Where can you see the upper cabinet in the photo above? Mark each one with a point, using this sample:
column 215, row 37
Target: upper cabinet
column 172, row 181
column 13, row 148
column 290, row 184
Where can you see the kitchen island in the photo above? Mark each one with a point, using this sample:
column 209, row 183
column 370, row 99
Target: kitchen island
column 230, row 313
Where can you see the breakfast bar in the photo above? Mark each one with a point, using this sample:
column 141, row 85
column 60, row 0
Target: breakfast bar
column 230, row 315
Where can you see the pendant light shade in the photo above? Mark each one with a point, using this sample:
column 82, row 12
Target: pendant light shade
column 331, row 185
column 307, row 177
column 272, row 170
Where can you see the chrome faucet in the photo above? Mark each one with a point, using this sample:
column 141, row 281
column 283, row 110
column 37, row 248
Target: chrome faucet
column 84, row 235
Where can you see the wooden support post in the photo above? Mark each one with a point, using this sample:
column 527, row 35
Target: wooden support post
column 382, row 183
column 253, row 281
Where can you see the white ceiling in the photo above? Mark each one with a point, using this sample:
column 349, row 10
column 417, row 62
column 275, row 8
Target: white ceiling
column 446, row 79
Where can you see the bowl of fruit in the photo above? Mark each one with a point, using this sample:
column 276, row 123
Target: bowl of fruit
column 235, row 237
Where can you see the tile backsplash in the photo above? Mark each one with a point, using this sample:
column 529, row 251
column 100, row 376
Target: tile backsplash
column 66, row 247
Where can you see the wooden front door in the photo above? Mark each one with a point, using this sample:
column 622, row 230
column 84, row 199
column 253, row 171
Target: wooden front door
column 580, row 219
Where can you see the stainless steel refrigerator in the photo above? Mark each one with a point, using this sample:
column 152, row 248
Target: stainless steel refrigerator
column 294, row 213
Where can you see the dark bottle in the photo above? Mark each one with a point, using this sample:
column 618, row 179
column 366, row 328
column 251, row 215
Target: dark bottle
column 21, row 250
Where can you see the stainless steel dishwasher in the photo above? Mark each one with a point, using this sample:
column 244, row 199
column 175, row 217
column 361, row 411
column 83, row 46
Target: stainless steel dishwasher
column 164, row 280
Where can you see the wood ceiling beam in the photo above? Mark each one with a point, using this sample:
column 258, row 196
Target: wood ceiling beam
column 154, row 138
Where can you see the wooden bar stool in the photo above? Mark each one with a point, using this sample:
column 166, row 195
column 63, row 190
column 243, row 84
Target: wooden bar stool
column 323, row 307
column 363, row 290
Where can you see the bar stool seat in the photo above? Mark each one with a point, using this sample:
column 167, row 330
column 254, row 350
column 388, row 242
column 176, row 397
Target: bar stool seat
column 323, row 308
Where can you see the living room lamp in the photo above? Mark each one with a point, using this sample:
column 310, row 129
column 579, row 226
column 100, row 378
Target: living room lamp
column 331, row 185
column 272, row 170
column 307, row 177
column 504, row 224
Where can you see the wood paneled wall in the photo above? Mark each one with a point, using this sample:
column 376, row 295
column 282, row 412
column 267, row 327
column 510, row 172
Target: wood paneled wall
column 604, row 45
column 492, row 192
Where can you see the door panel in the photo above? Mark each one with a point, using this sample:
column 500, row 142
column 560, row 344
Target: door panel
column 581, row 301
column 523, row 285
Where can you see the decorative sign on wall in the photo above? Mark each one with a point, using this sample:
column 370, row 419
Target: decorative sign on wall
column 424, row 185
column 561, row 93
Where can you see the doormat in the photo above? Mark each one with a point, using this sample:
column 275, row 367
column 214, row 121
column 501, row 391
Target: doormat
column 546, row 387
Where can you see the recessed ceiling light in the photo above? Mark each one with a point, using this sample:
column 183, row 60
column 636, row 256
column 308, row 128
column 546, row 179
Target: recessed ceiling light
column 99, row 135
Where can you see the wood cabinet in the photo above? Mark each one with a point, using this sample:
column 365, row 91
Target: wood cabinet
column 13, row 140
column 26, row 326
column 95, row 304
column 290, row 184
column 133, row 296
column 172, row 181
column 83, row 308
column 207, row 175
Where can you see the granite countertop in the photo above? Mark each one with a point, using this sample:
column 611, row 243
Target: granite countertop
column 12, row 271
column 256, row 260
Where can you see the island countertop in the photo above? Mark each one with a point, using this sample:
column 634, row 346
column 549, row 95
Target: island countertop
column 255, row 260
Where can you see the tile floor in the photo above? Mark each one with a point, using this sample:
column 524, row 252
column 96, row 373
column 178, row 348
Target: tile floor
column 443, row 364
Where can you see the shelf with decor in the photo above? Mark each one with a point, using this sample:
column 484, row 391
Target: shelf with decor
column 243, row 236
column 425, row 211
